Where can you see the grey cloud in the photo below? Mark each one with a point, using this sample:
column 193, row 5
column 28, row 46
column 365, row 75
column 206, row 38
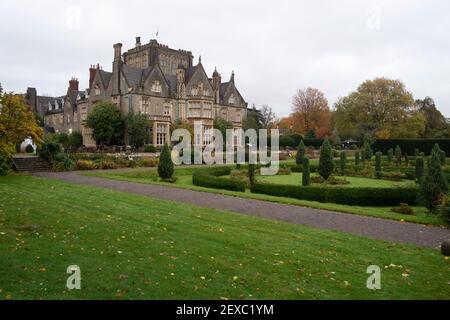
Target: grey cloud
column 275, row 47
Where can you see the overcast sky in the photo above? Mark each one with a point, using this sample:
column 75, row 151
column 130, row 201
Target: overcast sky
column 274, row 47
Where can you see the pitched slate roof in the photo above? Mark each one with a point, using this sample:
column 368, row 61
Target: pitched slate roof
column 133, row 75
column 105, row 77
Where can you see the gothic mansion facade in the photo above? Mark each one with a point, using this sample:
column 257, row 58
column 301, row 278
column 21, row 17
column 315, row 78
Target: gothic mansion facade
column 154, row 80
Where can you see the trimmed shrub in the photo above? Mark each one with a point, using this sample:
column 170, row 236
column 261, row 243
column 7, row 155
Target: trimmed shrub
column 408, row 145
column 343, row 162
column 326, row 161
column 341, row 195
column 29, row 149
column 368, row 153
column 283, row 170
column 378, row 172
column 150, row 148
column 434, row 184
column 213, row 178
column 300, row 153
column 390, row 155
column 419, row 170
column 85, row 165
column 306, row 175
column 403, row 209
column 398, row 155
column 165, row 166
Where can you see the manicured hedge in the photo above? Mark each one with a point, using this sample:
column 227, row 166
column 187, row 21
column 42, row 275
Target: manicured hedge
column 213, row 178
column 293, row 140
column 299, row 167
column 409, row 145
column 341, row 195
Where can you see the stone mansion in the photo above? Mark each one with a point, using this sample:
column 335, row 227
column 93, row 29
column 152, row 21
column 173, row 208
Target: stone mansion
column 151, row 79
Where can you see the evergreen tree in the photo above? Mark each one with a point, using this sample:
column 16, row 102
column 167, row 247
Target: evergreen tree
column 306, row 179
column 398, row 155
column 434, row 185
column 406, row 160
column 390, row 155
column 368, row 153
column 343, row 162
column 419, row 170
column 300, row 153
column 326, row 161
column 165, row 165
column 378, row 172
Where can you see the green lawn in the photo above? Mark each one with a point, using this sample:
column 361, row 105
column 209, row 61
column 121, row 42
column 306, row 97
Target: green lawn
column 130, row 246
column 184, row 180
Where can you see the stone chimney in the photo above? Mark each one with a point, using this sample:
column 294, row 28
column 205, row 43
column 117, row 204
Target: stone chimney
column 92, row 72
column 232, row 77
column 73, row 84
column 117, row 52
column 138, row 41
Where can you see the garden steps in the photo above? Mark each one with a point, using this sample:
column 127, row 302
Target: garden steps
column 30, row 164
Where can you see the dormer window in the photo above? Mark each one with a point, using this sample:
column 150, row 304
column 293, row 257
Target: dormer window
column 194, row 91
column 97, row 90
column 156, row 87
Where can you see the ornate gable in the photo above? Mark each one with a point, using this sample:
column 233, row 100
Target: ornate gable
column 155, row 83
column 198, row 84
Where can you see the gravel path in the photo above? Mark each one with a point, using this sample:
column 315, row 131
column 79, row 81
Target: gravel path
column 402, row 232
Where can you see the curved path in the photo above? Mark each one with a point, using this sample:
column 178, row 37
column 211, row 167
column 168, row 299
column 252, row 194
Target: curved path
column 382, row 229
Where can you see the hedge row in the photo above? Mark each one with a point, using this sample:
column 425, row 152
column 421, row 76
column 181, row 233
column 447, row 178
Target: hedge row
column 213, row 178
column 409, row 145
column 341, row 195
column 293, row 140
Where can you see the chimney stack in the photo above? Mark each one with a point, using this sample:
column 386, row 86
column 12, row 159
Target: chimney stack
column 92, row 72
column 117, row 52
column 232, row 77
column 73, row 84
column 138, row 41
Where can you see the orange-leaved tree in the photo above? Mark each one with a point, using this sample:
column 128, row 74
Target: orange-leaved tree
column 17, row 123
column 310, row 112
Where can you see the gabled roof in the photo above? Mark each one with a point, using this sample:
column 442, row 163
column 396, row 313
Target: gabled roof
column 105, row 77
column 133, row 75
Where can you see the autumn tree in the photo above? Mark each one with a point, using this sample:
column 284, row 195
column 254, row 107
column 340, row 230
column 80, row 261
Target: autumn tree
column 17, row 123
column 381, row 108
column 310, row 112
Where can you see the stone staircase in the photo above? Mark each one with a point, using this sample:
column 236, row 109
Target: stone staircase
column 30, row 164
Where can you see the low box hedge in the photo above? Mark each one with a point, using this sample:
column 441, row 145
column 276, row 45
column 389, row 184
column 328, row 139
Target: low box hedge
column 213, row 178
column 341, row 195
